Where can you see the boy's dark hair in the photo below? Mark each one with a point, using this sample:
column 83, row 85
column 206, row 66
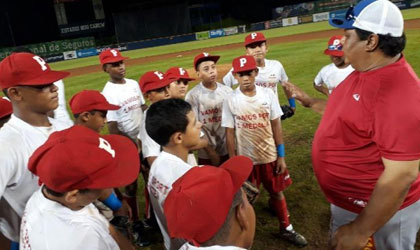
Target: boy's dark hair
column 59, row 194
column 92, row 112
column 166, row 117
column 5, row 93
column 223, row 233
column 390, row 46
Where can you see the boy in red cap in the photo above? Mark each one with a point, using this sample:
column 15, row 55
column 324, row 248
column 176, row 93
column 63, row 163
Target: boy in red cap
column 6, row 111
column 173, row 125
column 206, row 100
column 178, row 82
column 127, row 120
column 60, row 215
column 253, row 128
column 89, row 108
column 333, row 74
column 208, row 208
column 27, row 80
column 270, row 72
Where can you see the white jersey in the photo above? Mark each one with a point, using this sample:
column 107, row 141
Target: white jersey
column 187, row 246
column 61, row 113
column 251, row 118
column 165, row 170
column 47, row 224
column 207, row 105
column 150, row 148
column 268, row 76
column 331, row 76
column 129, row 97
column 18, row 140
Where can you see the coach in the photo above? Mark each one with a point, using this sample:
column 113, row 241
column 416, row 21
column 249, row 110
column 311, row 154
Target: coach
column 366, row 150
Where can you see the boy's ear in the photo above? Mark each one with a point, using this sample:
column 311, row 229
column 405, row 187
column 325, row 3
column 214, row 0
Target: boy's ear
column 105, row 67
column 84, row 116
column 71, row 196
column 176, row 138
column 14, row 93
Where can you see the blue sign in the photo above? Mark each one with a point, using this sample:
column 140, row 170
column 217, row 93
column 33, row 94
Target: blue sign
column 86, row 52
column 338, row 14
column 217, row 33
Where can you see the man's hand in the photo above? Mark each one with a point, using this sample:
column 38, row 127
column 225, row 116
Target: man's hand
column 280, row 165
column 125, row 210
column 348, row 237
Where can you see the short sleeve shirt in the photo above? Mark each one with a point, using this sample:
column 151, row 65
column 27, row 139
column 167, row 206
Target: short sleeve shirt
column 129, row 97
column 207, row 105
column 251, row 118
column 331, row 76
column 268, row 76
column 371, row 115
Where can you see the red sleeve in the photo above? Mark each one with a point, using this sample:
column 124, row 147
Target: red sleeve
column 396, row 127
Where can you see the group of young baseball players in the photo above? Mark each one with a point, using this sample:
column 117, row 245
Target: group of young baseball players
column 61, row 186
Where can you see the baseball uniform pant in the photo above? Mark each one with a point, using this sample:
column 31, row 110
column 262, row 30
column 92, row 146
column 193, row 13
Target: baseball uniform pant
column 399, row 233
column 272, row 182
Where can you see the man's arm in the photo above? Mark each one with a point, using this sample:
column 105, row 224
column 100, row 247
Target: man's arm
column 316, row 104
column 122, row 241
column 321, row 88
column 387, row 197
column 230, row 142
column 278, row 138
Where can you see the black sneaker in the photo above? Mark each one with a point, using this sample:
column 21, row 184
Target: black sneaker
column 139, row 235
column 293, row 237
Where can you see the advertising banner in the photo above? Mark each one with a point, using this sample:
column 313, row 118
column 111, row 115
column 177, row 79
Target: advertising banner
column 242, row 28
column 318, row 17
column 68, row 55
column 276, row 23
column 290, row 21
column 54, row 58
column 257, row 26
column 305, row 19
column 231, row 30
column 338, row 13
column 86, row 52
column 217, row 33
column 202, row 35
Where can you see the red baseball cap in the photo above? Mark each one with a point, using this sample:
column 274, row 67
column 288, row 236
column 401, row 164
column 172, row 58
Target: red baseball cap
column 335, row 47
column 88, row 100
column 204, row 56
column 176, row 73
column 152, row 80
column 5, row 108
column 199, row 202
column 80, row 158
column 254, row 37
column 111, row 56
column 243, row 63
column 27, row 69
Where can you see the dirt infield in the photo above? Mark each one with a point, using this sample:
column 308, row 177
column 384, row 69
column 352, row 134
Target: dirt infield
column 409, row 24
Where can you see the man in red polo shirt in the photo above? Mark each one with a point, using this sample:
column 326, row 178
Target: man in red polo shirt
column 366, row 150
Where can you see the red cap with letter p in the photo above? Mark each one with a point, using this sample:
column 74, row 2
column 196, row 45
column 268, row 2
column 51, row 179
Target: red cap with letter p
column 152, row 80
column 27, row 69
column 88, row 100
column 80, row 158
column 254, row 37
column 243, row 63
column 111, row 56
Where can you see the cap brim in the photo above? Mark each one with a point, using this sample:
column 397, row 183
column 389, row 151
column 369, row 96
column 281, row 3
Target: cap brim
column 341, row 23
column 334, row 52
column 127, row 164
column 244, row 70
column 207, row 58
column 45, row 78
column 255, row 41
column 108, row 107
column 239, row 167
column 164, row 83
column 114, row 59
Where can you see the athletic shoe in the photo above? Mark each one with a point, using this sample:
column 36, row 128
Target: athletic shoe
column 293, row 237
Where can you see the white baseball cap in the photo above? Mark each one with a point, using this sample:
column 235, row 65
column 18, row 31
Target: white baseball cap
column 377, row 16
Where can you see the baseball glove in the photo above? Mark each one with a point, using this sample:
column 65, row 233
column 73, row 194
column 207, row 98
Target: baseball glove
column 287, row 112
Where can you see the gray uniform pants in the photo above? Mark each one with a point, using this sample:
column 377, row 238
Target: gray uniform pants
column 399, row 233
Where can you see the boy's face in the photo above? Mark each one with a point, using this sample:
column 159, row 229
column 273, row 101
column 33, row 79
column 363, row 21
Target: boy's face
column 257, row 50
column 191, row 136
column 115, row 70
column 337, row 60
column 178, row 89
column 246, row 79
column 40, row 99
column 95, row 120
column 158, row 94
column 207, row 71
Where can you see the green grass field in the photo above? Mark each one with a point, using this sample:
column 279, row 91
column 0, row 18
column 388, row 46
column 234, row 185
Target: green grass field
column 302, row 61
